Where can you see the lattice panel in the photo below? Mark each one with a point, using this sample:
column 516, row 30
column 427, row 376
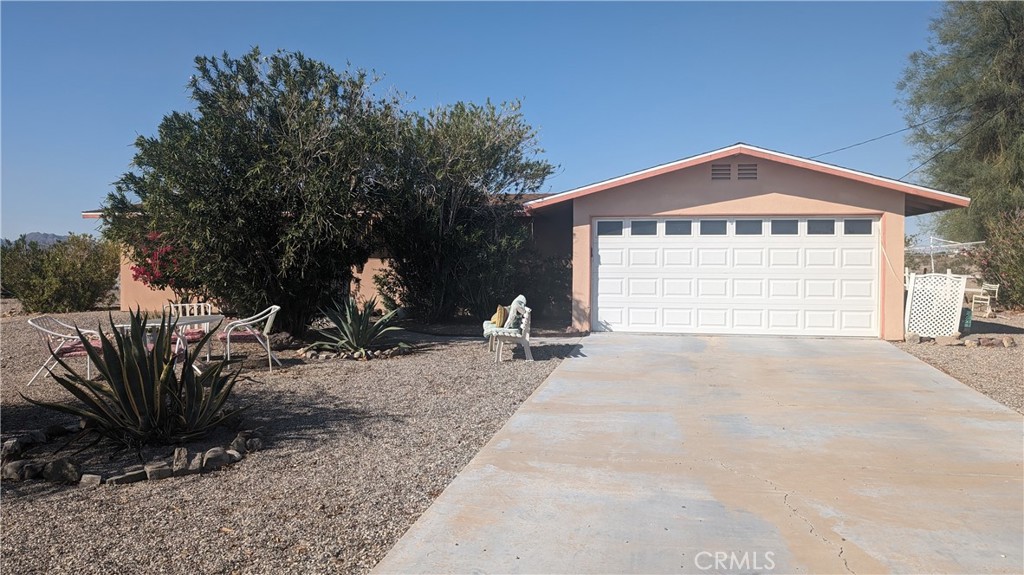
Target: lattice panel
column 934, row 304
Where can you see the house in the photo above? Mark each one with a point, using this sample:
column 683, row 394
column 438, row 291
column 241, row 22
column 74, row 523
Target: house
column 740, row 240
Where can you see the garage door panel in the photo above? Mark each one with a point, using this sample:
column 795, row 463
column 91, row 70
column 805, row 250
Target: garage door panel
column 676, row 257
column 611, row 257
column 748, row 288
column 712, row 287
column 748, row 257
column 643, row 287
column 821, row 257
column 713, row 257
column 768, row 284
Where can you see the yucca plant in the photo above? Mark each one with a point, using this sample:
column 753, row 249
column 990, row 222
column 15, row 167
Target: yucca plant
column 139, row 398
column 354, row 330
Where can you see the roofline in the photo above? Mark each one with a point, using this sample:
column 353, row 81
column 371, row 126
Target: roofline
column 953, row 200
column 92, row 214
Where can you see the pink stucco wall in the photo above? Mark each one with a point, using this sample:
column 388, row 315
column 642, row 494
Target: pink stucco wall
column 780, row 189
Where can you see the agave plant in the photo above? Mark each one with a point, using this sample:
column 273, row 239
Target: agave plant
column 354, row 330
column 139, row 398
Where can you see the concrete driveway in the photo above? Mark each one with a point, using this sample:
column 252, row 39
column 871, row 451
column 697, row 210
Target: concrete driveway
column 658, row 454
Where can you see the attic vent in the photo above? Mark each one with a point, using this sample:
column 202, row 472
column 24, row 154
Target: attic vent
column 746, row 171
column 721, row 171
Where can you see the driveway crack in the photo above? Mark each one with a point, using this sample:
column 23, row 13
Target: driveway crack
column 792, row 509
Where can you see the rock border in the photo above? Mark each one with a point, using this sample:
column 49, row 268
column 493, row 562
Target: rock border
column 63, row 470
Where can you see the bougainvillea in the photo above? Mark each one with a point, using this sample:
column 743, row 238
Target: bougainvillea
column 165, row 266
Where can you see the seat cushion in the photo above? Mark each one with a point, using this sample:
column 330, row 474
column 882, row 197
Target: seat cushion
column 500, row 316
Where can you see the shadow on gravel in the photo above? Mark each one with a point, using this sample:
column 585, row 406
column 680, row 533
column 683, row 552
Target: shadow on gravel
column 981, row 326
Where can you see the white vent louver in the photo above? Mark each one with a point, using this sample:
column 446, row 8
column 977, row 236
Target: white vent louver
column 746, row 171
column 721, row 171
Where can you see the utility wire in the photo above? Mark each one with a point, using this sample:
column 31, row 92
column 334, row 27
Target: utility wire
column 961, row 138
column 918, row 125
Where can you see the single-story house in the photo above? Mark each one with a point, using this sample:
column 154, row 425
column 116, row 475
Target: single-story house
column 740, row 240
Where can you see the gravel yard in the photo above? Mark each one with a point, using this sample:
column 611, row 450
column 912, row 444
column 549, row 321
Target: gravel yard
column 998, row 372
column 355, row 452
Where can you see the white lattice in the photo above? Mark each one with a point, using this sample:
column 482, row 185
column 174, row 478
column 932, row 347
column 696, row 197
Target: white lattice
column 934, row 304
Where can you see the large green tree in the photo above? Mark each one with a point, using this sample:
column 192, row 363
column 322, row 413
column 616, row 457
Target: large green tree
column 971, row 81
column 267, row 187
column 451, row 228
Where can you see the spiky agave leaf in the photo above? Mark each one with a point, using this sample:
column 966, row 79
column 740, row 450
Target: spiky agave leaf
column 354, row 330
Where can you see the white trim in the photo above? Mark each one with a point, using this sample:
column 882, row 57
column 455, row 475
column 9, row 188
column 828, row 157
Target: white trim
column 739, row 148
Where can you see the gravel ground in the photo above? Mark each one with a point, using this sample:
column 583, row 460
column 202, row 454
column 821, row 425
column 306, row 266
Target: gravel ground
column 355, row 452
column 998, row 372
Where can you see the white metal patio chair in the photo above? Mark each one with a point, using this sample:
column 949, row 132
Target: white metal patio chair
column 61, row 340
column 516, row 332
column 252, row 329
column 192, row 335
column 989, row 293
column 489, row 325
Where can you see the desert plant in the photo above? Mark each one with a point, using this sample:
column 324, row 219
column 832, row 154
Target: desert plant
column 139, row 398
column 70, row 275
column 1001, row 259
column 354, row 330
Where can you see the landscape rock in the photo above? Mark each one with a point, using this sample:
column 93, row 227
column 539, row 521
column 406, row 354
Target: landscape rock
column 254, row 444
column 62, row 471
column 235, row 455
column 130, row 477
column 912, row 337
column 179, row 465
column 948, row 340
column 239, row 443
column 215, row 458
column 131, row 468
column 971, row 342
column 158, row 471
column 89, row 480
column 1009, row 342
column 34, row 437
column 12, row 449
column 20, row 470
column 196, row 465
column 989, row 341
column 55, row 431
column 284, row 340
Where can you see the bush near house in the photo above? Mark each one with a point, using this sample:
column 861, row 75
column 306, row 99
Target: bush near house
column 70, row 275
column 1001, row 259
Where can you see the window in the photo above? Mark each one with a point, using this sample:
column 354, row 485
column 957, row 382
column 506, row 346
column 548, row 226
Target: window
column 678, row 227
column 784, row 227
column 857, row 227
column 609, row 228
column 643, row 228
column 749, row 227
column 712, row 227
column 821, row 227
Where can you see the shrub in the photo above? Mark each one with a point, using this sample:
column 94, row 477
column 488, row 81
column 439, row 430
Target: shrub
column 355, row 330
column 70, row 275
column 138, row 398
column 1001, row 259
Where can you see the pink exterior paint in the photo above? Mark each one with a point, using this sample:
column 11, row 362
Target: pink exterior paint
column 135, row 294
column 781, row 189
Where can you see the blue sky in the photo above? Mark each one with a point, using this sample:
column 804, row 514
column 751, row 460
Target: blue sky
column 610, row 87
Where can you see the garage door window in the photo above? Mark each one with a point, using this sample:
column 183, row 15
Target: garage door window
column 784, row 227
column 643, row 228
column 857, row 227
column 712, row 227
column 749, row 227
column 678, row 227
column 821, row 227
column 609, row 228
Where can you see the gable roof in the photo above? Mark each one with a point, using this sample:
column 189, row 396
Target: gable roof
column 919, row 199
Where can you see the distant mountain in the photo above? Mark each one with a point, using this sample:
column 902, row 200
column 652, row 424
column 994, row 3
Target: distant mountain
column 43, row 239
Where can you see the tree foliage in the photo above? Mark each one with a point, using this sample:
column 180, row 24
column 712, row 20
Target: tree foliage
column 1001, row 259
column 971, row 78
column 267, row 188
column 450, row 229
column 70, row 275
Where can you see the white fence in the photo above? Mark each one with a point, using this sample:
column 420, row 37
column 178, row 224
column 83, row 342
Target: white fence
column 934, row 304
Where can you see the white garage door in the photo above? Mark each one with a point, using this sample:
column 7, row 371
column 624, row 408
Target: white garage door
column 774, row 276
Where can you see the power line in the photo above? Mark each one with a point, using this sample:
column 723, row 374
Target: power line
column 918, row 125
column 961, row 138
